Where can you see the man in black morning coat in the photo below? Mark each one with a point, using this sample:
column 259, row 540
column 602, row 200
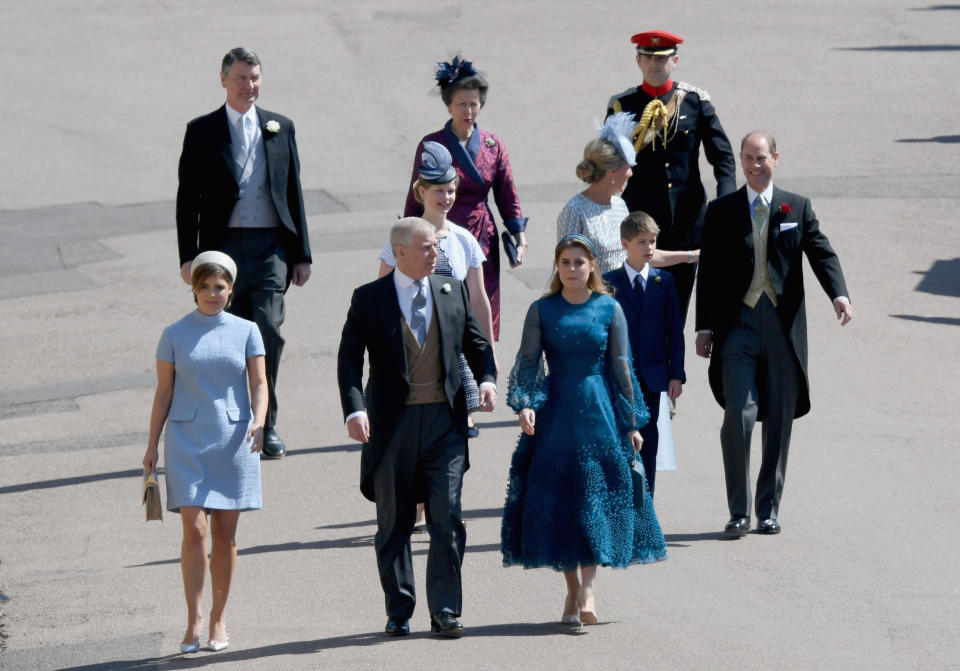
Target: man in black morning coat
column 751, row 317
column 412, row 417
column 240, row 194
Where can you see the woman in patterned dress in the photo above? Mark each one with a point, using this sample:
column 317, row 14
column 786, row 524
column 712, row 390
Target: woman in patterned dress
column 482, row 166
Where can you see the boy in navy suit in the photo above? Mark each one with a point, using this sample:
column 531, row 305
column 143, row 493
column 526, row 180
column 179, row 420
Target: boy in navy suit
column 649, row 300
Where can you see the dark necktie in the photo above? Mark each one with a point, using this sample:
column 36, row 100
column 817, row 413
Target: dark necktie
column 638, row 289
column 418, row 315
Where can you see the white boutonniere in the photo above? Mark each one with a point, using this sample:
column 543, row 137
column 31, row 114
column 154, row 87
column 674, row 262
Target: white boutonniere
column 656, row 280
column 446, row 288
column 273, row 126
column 490, row 142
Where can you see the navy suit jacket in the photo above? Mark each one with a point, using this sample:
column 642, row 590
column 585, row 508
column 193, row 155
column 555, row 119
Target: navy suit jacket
column 208, row 188
column 656, row 330
column 375, row 325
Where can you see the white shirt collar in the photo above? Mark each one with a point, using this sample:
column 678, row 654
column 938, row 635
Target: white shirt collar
column 403, row 282
column 632, row 274
column 766, row 193
column 233, row 116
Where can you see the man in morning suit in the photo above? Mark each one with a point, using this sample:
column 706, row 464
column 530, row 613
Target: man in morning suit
column 412, row 418
column 751, row 317
column 675, row 119
column 240, row 194
column 648, row 297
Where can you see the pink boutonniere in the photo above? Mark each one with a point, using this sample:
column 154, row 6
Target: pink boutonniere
column 785, row 208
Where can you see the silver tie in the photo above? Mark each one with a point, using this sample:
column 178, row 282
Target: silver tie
column 418, row 316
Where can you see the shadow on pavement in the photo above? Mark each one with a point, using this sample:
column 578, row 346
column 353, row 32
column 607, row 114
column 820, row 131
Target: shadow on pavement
column 947, row 321
column 942, row 139
column 467, row 515
column 352, row 447
column 76, row 480
column 904, row 47
column 231, row 657
column 943, row 278
column 679, row 540
column 496, row 425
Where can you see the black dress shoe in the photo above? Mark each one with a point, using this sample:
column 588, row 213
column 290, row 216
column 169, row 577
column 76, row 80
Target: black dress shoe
column 397, row 626
column 768, row 526
column 738, row 526
column 445, row 624
column 273, row 447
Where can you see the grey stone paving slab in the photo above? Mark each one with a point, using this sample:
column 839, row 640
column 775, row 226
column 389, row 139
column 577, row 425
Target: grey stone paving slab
column 861, row 98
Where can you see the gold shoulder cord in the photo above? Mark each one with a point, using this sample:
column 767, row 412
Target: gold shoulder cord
column 658, row 117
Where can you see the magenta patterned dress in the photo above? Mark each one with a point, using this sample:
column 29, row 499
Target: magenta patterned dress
column 483, row 166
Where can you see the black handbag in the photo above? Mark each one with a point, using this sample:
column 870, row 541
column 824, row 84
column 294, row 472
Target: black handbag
column 639, row 482
column 510, row 247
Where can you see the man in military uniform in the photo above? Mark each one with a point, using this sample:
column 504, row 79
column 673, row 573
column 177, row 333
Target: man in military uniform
column 675, row 118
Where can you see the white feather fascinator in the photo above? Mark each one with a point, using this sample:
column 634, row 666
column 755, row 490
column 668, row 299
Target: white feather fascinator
column 618, row 131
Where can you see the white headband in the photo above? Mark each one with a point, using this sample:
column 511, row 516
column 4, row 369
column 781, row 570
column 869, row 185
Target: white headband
column 218, row 258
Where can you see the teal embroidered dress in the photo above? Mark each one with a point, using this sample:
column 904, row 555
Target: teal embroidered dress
column 570, row 496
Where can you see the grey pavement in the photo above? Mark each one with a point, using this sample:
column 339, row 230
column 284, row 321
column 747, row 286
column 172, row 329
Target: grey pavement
column 861, row 98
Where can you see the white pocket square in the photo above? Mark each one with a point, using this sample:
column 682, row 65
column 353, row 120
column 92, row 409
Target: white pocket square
column 788, row 226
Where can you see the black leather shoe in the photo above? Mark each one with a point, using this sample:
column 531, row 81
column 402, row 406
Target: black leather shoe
column 273, row 447
column 768, row 526
column 737, row 526
column 397, row 626
column 445, row 624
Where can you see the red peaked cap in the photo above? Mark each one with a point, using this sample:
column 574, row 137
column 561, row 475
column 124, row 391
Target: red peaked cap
column 656, row 43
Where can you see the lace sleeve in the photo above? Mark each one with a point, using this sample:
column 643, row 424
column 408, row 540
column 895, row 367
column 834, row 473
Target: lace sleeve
column 528, row 386
column 628, row 402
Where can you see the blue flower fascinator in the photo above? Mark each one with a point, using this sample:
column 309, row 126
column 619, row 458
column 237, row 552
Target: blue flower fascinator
column 450, row 73
column 618, row 131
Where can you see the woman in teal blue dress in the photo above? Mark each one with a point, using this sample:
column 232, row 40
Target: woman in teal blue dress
column 210, row 371
column 571, row 500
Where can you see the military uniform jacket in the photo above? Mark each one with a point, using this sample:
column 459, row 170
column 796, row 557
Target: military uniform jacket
column 666, row 180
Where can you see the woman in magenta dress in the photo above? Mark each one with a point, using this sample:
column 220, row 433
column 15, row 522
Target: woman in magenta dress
column 483, row 166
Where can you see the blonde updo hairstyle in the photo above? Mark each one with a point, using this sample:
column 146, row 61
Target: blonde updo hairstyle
column 424, row 184
column 599, row 157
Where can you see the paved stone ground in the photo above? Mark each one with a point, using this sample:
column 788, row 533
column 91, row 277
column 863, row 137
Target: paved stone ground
column 862, row 101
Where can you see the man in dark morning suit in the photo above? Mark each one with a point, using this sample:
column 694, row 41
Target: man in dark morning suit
column 649, row 301
column 675, row 119
column 751, row 317
column 412, row 418
column 240, row 194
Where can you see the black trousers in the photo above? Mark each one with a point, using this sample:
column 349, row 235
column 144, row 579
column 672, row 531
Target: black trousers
column 424, row 461
column 650, row 435
column 262, row 280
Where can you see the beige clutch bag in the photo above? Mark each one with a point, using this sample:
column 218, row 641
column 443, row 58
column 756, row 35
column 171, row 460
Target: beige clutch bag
column 151, row 496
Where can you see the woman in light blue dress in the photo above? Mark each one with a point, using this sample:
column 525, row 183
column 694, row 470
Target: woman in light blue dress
column 210, row 366
column 573, row 500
